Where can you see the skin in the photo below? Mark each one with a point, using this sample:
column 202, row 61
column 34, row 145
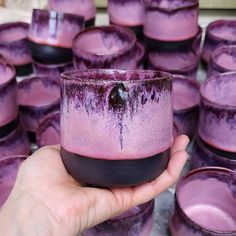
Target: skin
column 47, row 201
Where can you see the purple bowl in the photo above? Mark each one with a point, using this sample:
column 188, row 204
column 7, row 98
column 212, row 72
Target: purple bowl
column 51, row 35
column 105, row 136
column 140, row 55
column 221, row 32
column 13, row 46
column 217, row 122
column 8, row 101
column 136, row 222
column 87, row 9
column 15, row 143
column 37, row 97
column 205, row 204
column 48, row 132
column 223, row 59
column 9, row 167
column 105, row 47
column 186, row 101
column 203, row 155
column 171, row 24
column 180, row 63
column 52, row 71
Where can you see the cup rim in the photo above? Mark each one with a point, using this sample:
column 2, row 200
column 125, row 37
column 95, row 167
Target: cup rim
column 78, row 74
column 203, row 96
column 110, row 28
column 12, row 157
column 51, row 66
column 180, row 184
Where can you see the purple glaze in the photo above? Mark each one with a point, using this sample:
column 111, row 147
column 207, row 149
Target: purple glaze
column 15, row 143
column 48, row 132
column 136, row 222
column 205, row 204
column 104, row 115
column 106, row 47
column 171, row 21
column 202, row 155
column 37, row 97
column 127, row 13
column 140, row 54
column 197, row 42
column 221, row 32
column 52, row 71
column 181, row 63
column 9, row 167
column 8, row 102
column 85, row 8
column 186, row 101
column 217, row 124
column 13, row 43
column 223, row 59
column 175, row 131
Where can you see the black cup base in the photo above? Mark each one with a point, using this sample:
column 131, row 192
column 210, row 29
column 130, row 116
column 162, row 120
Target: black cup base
column 24, row 70
column 9, row 127
column 47, row 54
column 154, row 44
column 90, row 23
column 114, row 173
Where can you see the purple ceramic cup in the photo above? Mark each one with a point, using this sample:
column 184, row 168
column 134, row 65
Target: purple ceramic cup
column 105, row 137
column 171, row 25
column 87, row 9
column 129, row 13
column 186, row 101
column 9, row 167
column 181, row 63
column 221, row 32
column 223, row 59
column 15, row 143
column 105, row 47
column 136, row 222
column 52, row 71
column 8, row 101
column 205, row 204
column 48, row 132
column 51, row 35
column 203, row 155
column 217, row 122
column 13, row 46
column 37, row 97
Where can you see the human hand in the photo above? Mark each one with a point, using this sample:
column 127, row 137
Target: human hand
column 46, row 200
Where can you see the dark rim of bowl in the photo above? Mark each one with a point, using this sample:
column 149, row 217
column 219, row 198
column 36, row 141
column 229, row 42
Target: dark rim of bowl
column 111, row 28
column 204, row 98
column 181, row 183
column 193, row 84
column 12, row 133
column 78, row 74
column 41, row 78
column 12, row 157
column 51, row 66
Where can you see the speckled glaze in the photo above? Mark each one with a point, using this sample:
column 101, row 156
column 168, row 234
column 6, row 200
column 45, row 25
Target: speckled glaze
column 15, row 143
column 9, row 167
column 13, row 43
column 186, row 105
column 85, row 8
column 8, row 101
column 161, row 17
column 51, row 35
column 109, row 108
column 136, row 222
column 217, row 122
column 203, row 155
column 223, row 59
column 31, row 114
column 52, row 71
column 105, row 47
column 198, row 212
column 48, row 132
column 180, row 63
column 212, row 41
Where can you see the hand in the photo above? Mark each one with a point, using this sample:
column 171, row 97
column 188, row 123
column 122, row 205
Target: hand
column 46, row 200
